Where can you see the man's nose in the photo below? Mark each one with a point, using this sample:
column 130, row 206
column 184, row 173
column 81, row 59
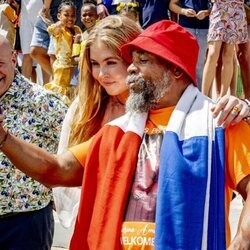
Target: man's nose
column 132, row 69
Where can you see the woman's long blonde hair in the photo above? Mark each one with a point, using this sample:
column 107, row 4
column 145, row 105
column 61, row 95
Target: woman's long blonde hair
column 114, row 31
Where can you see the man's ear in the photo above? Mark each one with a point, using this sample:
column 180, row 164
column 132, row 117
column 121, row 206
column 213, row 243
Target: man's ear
column 177, row 71
column 14, row 58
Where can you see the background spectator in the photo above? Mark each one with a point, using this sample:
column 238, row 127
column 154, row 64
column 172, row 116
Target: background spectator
column 194, row 17
column 153, row 11
column 63, row 33
column 244, row 56
column 42, row 48
column 28, row 16
column 227, row 24
column 130, row 10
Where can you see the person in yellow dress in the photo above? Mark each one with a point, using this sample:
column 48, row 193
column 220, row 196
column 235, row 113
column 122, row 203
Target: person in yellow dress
column 63, row 33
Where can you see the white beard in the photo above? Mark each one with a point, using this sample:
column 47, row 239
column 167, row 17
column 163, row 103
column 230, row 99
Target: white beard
column 149, row 95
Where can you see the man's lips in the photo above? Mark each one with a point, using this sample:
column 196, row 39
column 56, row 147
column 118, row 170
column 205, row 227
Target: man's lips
column 134, row 84
column 134, row 87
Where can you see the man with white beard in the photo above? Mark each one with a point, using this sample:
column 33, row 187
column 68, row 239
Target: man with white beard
column 186, row 144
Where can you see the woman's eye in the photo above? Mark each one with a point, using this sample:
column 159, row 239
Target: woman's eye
column 94, row 64
column 111, row 62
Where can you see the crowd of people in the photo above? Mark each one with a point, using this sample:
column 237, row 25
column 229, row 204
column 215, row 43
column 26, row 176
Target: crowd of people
column 153, row 162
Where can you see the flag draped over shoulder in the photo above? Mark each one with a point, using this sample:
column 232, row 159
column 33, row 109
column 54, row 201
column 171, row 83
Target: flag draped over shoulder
column 106, row 184
column 190, row 202
column 190, row 211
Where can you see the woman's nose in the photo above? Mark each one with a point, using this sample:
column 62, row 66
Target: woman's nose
column 102, row 71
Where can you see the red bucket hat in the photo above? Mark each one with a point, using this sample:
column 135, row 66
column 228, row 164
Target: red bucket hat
column 169, row 41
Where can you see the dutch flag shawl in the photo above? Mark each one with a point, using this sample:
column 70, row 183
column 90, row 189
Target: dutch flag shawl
column 190, row 210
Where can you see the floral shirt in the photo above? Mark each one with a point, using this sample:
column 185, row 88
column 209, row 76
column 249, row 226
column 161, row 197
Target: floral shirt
column 34, row 115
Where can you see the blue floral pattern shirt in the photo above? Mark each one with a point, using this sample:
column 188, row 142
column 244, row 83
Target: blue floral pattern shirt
column 34, row 115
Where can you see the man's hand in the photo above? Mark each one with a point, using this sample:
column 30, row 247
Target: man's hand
column 102, row 11
column 230, row 110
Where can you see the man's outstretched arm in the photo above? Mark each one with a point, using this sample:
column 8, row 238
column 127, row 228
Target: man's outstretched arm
column 49, row 169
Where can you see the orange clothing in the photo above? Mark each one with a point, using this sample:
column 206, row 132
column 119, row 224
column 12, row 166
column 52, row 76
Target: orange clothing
column 237, row 150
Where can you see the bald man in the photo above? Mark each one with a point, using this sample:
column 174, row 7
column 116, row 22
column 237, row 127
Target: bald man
column 32, row 113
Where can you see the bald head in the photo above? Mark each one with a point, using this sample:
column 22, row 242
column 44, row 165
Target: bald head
column 5, row 45
column 7, row 65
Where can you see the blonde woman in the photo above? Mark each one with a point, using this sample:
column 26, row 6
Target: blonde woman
column 102, row 94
